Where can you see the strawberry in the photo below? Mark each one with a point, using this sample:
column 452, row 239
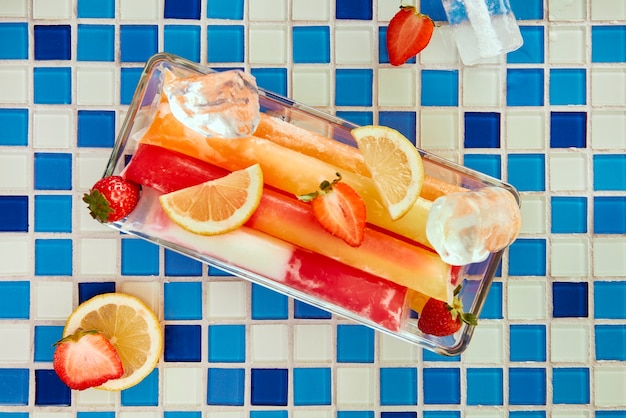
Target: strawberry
column 111, row 198
column 440, row 319
column 339, row 209
column 86, row 359
column 407, row 34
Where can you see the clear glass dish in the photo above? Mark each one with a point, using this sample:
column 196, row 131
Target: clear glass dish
column 477, row 278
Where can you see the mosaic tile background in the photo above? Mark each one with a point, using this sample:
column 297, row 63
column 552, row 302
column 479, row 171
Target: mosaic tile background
column 549, row 118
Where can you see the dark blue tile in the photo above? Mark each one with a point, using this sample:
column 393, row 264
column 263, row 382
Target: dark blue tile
column 402, row 121
column 53, row 213
column 15, row 387
column 226, row 386
column 145, row 393
column 45, row 337
column 129, row 77
column 138, row 42
column 398, row 386
column 14, row 210
column 95, row 43
column 436, row 378
column 383, row 53
column 609, row 215
column 609, row 299
column 96, row 128
column 225, row 43
column 227, row 343
column 53, row 171
column 568, row 129
column 608, row 43
column 88, row 290
column 609, row 172
column 50, row 390
column 311, row 44
column 14, row 301
column 96, row 9
column 139, row 258
column 570, row 299
column 362, row 118
column 182, row 300
column 14, row 124
column 434, row 9
column 312, row 386
column 14, row 41
column 353, row 87
column 176, row 264
column 52, row 85
column 303, row 310
column 524, row 87
column 271, row 79
column 490, row 165
column 268, row 304
column 527, row 257
column 527, row 172
column 532, row 50
column 440, row 88
column 269, row 387
column 53, row 42
column 354, row 9
column 355, row 344
column 610, row 342
column 527, row 9
column 482, row 129
column 398, row 414
column 183, row 343
column 53, row 257
column 527, row 342
column 569, row 214
column 527, row 386
column 570, row 385
column 225, row 9
column 182, row 40
column 182, row 9
column 568, row 86
column 480, row 378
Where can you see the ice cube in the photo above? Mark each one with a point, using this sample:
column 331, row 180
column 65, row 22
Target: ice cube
column 224, row 104
column 465, row 227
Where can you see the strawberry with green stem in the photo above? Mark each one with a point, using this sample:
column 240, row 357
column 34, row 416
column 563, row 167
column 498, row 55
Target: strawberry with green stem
column 440, row 318
column 111, row 198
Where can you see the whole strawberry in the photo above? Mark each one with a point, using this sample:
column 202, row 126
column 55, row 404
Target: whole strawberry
column 440, row 319
column 407, row 34
column 111, row 198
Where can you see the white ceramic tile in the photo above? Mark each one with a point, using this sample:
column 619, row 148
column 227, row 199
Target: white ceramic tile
column 314, row 413
column 15, row 347
column 313, row 343
column 14, row 8
column 15, row 170
column 311, row 86
column 269, row 343
column 386, row 10
column 396, row 87
column 525, row 129
column 487, row 344
column 53, row 300
column 609, row 257
column 570, row 257
column 566, row 44
column 310, row 10
column 148, row 292
column 569, row 10
column 610, row 10
column 90, row 168
column 98, row 256
column 485, row 414
column 267, row 10
column 533, row 211
column 439, row 129
column 569, row 343
column 15, row 253
column 139, row 9
column 570, row 413
column 52, row 9
column 84, row 220
column 178, row 387
column 53, row 128
column 267, row 44
column 526, row 299
column 226, row 299
column 568, row 171
column 95, row 86
column 355, row 387
column 441, row 49
column 14, row 84
column 395, row 350
column 608, row 129
column 95, row 397
column 609, row 383
column 354, row 45
column 226, row 414
column 481, row 86
column 608, row 86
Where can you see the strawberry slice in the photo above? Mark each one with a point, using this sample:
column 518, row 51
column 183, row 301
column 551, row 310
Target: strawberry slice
column 440, row 319
column 339, row 209
column 86, row 359
column 408, row 33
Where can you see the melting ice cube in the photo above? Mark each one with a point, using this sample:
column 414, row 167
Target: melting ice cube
column 222, row 104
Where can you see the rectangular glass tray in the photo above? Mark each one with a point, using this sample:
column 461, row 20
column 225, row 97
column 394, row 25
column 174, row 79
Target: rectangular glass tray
column 477, row 278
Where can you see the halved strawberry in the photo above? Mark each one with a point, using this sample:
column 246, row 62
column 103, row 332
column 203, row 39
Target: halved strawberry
column 408, row 33
column 339, row 209
column 86, row 359
column 440, row 319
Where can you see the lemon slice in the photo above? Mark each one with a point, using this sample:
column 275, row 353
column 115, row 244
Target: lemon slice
column 130, row 326
column 395, row 164
column 216, row 206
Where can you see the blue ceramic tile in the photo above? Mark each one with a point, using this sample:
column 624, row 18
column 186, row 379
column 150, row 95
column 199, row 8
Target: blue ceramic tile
column 355, row 344
column 484, row 163
column 527, row 9
column 225, row 43
column 570, row 385
column 398, row 386
column 182, row 343
column 610, row 342
column 14, row 124
column 15, row 387
column 176, row 265
column 527, row 257
column 532, row 49
column 442, row 414
column 611, row 414
column 145, row 393
column 527, row 342
column 361, row 118
column 311, row 44
column 225, row 9
column 182, row 40
column 436, row 378
column 227, row 343
column 609, row 172
column 527, row 172
column 527, row 386
column 96, row 128
column 268, row 304
column 182, row 9
column 53, row 42
column 312, row 386
column 14, row 41
column 434, row 9
column 492, row 309
column 570, row 299
column 45, row 337
column 609, row 215
column 568, row 129
column 480, row 378
column 139, row 257
column 53, row 213
column 53, row 257
column 50, row 390
column 353, row 87
column 96, row 43
column 569, row 214
column 608, row 43
column 383, row 53
column 216, row 272
column 182, row 300
column 138, row 42
column 355, row 414
column 269, row 414
column 14, row 301
column 303, row 310
column 482, row 129
column 129, row 77
column 524, row 87
column 609, row 300
column 52, row 85
column 14, row 210
column 398, row 414
column 354, row 9
column 53, row 171
column 269, row 387
column 403, row 122
column 226, row 386
column 271, row 79
column 96, row 9
column 440, row 88
column 88, row 290
column 568, row 86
